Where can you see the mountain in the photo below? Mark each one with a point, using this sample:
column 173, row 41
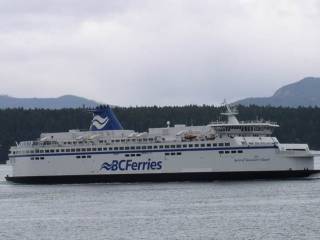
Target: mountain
column 305, row 92
column 66, row 101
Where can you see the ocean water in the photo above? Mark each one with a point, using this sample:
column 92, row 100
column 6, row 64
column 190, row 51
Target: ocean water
column 286, row 209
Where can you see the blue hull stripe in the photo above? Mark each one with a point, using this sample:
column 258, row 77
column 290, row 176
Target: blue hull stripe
column 145, row 151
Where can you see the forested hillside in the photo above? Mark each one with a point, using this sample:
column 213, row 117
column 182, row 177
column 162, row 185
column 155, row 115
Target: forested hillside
column 297, row 124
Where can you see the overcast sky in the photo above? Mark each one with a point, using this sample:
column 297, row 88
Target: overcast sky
column 143, row 52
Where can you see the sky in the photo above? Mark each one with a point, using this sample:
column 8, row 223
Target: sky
column 168, row 52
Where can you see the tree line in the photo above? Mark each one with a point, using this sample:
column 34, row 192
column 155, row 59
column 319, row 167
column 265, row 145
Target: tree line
column 300, row 125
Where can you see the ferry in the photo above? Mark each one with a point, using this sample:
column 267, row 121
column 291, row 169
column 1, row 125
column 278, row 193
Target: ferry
column 230, row 150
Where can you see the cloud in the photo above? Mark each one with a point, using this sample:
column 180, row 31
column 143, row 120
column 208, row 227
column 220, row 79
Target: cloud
column 156, row 52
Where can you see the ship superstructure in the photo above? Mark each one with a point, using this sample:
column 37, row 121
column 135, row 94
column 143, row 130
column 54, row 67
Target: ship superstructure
column 108, row 153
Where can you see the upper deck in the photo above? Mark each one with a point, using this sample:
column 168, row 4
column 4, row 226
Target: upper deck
column 177, row 133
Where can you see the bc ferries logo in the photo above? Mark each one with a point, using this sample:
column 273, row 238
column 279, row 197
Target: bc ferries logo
column 100, row 122
column 129, row 165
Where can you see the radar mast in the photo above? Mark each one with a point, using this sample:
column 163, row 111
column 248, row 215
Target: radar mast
column 230, row 113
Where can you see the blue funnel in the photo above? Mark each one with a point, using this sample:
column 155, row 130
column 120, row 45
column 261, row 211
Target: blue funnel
column 104, row 119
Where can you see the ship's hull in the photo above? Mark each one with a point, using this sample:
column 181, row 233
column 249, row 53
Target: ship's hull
column 163, row 177
column 201, row 164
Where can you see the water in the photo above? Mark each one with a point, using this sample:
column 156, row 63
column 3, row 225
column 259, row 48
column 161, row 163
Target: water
column 287, row 209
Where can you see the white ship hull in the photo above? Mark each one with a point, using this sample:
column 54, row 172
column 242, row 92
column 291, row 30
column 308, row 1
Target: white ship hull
column 107, row 153
column 190, row 164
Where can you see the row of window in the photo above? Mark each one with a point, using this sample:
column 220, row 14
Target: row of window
column 37, row 158
column 113, row 141
column 232, row 151
column 172, row 153
column 130, row 140
column 133, row 155
column 83, row 156
column 126, row 140
column 150, row 147
column 138, row 154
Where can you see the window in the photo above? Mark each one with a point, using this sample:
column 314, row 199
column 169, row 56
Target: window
column 214, row 144
column 173, row 153
column 226, row 152
column 161, row 146
column 57, row 150
column 73, row 150
column 51, row 150
column 115, row 148
column 167, row 154
column 178, row 146
column 184, row 145
column 110, row 148
column 155, row 147
column 173, row 146
column 41, row 151
column 208, row 144
column 78, row 156
column 149, row 147
column 88, row 156
column 144, row 147
column 196, row 145
column 132, row 155
column 88, row 149
column 190, row 145
column 220, row 144
column 233, row 151
column 41, row 158
column 78, row 149
column 105, row 149
column 121, row 148
column 240, row 151
column 94, row 149
column 126, row 148
column 178, row 153
column 67, row 150
column 227, row 144
column 127, row 155
column 166, row 146
column 62, row 150
column 32, row 158
column 138, row 147
column 132, row 148
column 83, row 156
column 83, row 149
column 138, row 154
column 221, row 152
column 203, row 145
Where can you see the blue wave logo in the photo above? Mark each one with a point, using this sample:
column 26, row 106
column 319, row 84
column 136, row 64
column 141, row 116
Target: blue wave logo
column 106, row 166
column 100, row 122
